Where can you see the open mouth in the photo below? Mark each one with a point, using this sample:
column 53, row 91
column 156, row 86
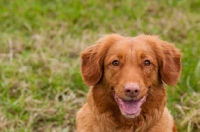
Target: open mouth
column 129, row 108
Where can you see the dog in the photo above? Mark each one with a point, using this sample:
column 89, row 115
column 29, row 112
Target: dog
column 128, row 77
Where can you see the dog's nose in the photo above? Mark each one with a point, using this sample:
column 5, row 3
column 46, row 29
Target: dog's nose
column 131, row 90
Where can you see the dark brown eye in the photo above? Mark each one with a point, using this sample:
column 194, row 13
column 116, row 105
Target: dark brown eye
column 115, row 63
column 147, row 63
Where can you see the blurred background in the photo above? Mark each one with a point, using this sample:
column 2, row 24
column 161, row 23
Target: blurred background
column 41, row 88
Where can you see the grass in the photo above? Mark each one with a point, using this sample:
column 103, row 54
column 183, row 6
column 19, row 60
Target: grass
column 40, row 84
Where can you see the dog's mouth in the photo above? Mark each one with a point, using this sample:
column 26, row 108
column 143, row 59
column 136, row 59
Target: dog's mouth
column 129, row 108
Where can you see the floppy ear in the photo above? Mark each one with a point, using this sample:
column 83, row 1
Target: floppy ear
column 93, row 58
column 170, row 67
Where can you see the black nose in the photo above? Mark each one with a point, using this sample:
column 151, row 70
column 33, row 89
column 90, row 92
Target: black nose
column 131, row 90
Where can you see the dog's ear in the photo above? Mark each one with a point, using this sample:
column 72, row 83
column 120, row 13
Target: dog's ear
column 93, row 59
column 169, row 63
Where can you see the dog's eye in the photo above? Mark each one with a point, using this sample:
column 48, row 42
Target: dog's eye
column 147, row 63
column 115, row 63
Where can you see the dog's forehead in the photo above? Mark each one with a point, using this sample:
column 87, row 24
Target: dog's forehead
column 132, row 46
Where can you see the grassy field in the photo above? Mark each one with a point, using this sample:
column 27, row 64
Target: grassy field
column 40, row 42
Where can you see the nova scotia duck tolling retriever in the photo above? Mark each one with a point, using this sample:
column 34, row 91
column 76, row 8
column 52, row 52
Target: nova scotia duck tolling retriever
column 127, row 76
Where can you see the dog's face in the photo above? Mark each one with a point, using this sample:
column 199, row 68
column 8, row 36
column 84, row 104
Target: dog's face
column 131, row 67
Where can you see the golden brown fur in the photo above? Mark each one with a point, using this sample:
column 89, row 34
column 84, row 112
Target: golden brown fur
column 106, row 109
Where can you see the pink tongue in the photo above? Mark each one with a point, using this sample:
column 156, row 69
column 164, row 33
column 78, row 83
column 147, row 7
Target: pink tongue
column 131, row 107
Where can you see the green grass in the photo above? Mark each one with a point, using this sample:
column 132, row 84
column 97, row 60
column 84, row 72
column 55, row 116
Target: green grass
column 40, row 83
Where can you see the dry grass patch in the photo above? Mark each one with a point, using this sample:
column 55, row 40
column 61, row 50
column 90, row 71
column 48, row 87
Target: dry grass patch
column 189, row 109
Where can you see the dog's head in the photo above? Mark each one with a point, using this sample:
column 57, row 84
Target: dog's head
column 131, row 66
